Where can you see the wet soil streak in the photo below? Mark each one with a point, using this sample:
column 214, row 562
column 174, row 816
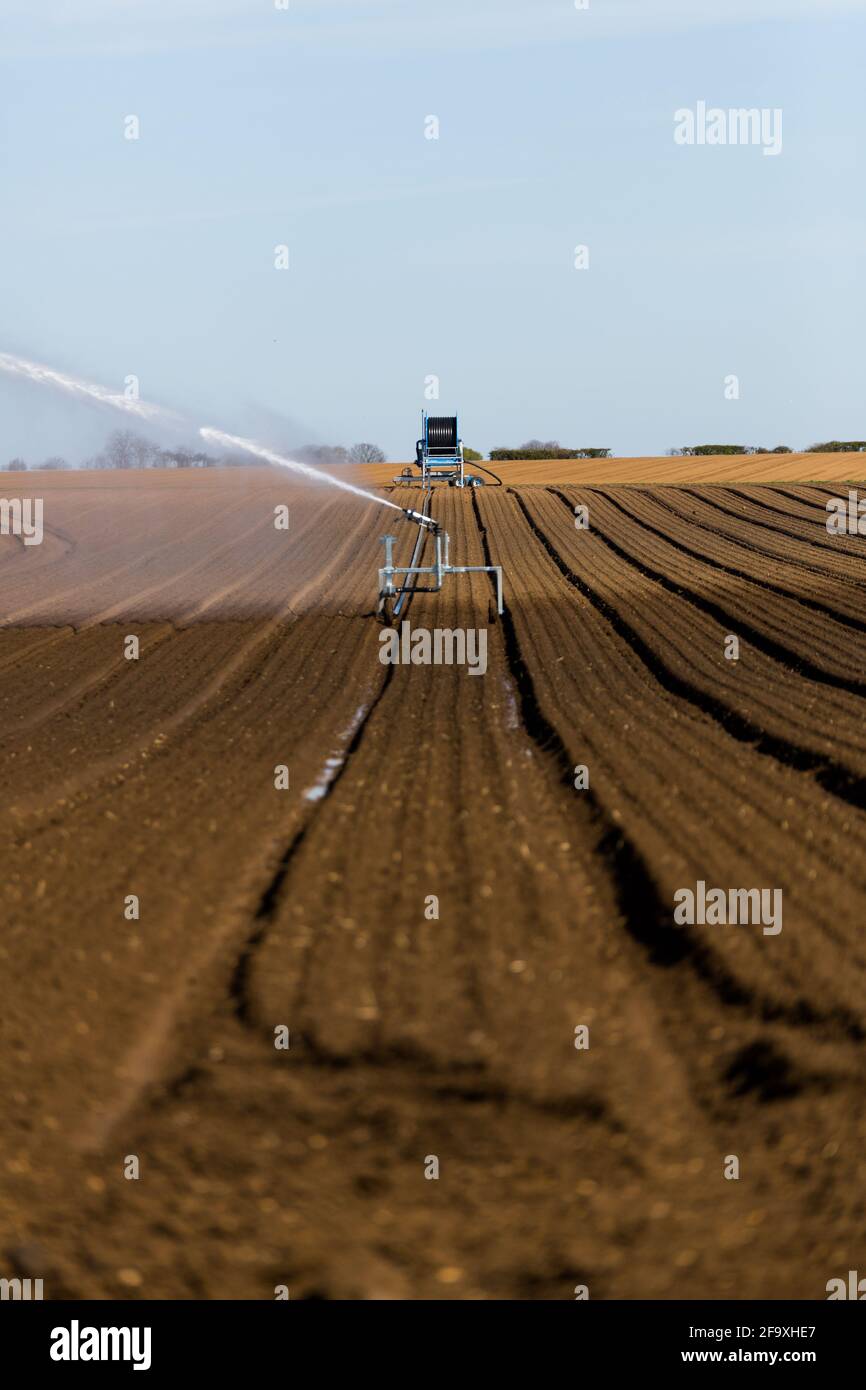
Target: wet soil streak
column 269, row 901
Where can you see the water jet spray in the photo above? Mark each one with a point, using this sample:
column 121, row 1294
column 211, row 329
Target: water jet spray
column 233, row 441
column 75, row 386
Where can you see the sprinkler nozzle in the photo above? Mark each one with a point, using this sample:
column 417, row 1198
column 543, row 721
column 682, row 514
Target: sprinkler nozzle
column 427, row 521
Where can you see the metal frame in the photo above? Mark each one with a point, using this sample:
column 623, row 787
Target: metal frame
column 437, row 468
column 439, row 569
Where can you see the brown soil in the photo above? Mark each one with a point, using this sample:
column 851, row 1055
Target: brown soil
column 717, row 468
column 412, row 1037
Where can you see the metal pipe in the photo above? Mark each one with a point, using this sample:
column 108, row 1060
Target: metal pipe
column 438, row 570
column 406, row 589
column 482, row 569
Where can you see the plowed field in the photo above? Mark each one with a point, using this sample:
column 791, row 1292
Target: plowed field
column 712, row 468
column 424, row 1031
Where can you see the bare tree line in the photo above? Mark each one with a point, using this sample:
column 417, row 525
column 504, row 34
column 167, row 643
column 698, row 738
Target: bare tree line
column 127, row 449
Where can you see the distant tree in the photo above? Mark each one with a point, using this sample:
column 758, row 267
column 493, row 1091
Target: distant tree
column 17, row 466
column 706, row 450
column 143, row 452
column 126, row 449
column 472, row 455
column 118, row 451
column 837, row 446
column 366, row 453
column 534, row 449
column 54, row 462
column 781, row 449
column 546, row 449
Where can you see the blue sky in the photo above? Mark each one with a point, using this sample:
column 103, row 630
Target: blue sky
column 453, row 257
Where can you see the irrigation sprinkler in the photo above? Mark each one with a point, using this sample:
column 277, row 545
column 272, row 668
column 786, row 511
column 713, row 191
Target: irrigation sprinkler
column 439, row 455
column 392, row 597
column 428, row 522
